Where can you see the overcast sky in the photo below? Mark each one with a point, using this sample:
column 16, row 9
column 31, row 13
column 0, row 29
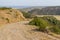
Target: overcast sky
column 29, row 2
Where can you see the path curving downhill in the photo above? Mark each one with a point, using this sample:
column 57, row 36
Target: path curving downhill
column 22, row 31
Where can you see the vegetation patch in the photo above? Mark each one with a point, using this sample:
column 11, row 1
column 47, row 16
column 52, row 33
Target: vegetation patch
column 26, row 15
column 4, row 8
column 46, row 23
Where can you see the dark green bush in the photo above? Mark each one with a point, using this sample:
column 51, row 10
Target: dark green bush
column 51, row 19
column 48, row 22
column 39, row 22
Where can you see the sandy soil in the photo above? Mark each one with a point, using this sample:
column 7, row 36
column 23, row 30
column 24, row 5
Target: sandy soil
column 56, row 16
column 22, row 31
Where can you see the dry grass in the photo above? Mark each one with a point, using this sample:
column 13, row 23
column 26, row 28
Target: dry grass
column 10, row 16
column 56, row 16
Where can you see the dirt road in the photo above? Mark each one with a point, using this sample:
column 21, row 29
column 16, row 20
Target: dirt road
column 22, row 31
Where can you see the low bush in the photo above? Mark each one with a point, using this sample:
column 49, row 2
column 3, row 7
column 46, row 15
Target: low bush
column 48, row 22
column 55, row 29
column 51, row 19
column 40, row 23
column 26, row 15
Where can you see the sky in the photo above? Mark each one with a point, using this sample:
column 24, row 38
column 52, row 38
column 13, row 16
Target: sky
column 29, row 2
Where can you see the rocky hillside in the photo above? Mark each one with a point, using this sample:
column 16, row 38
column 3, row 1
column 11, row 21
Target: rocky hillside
column 53, row 10
column 10, row 15
column 31, row 8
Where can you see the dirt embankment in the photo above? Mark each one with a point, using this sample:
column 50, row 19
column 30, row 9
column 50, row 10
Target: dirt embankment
column 10, row 15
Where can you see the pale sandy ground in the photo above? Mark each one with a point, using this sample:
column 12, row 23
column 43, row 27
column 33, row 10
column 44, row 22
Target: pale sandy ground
column 58, row 17
column 22, row 31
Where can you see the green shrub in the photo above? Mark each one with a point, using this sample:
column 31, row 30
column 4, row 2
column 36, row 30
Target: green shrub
column 26, row 15
column 39, row 22
column 55, row 29
column 51, row 19
column 58, row 23
column 48, row 22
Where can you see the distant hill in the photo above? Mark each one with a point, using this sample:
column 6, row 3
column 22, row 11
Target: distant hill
column 52, row 10
column 26, row 9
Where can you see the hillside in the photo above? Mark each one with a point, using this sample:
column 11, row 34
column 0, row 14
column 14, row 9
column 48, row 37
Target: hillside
column 31, row 8
column 50, row 10
column 16, row 27
column 10, row 15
